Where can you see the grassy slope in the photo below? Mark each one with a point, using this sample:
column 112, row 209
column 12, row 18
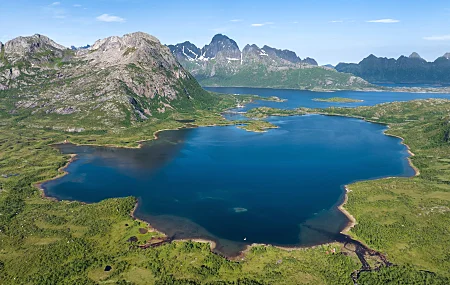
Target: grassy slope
column 409, row 218
column 261, row 76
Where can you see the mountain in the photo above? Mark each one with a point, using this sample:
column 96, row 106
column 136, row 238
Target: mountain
column 412, row 69
column 117, row 81
column 223, row 63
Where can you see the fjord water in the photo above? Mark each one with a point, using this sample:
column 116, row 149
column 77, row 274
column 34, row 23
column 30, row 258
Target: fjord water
column 237, row 187
column 300, row 98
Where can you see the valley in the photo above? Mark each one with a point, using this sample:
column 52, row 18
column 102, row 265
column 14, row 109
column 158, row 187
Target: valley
column 147, row 134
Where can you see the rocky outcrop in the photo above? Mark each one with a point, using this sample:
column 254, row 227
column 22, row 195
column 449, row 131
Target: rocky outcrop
column 37, row 45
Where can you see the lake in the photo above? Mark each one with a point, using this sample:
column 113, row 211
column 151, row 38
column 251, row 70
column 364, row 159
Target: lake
column 236, row 187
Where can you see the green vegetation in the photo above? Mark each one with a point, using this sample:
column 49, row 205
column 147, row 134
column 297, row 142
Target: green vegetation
column 129, row 51
column 49, row 242
column 405, row 274
column 258, row 126
column 314, row 78
column 337, row 100
column 264, row 112
column 408, row 218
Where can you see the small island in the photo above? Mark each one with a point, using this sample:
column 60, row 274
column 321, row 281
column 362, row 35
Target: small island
column 257, row 126
column 264, row 112
column 337, row 100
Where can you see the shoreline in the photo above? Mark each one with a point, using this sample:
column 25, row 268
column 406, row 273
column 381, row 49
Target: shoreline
column 62, row 172
column 352, row 221
column 213, row 244
column 411, row 154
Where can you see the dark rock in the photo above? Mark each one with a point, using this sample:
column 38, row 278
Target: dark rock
column 185, row 51
column 284, row 54
column 133, row 239
column 221, row 44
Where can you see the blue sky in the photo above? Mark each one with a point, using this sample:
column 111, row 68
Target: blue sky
column 329, row 30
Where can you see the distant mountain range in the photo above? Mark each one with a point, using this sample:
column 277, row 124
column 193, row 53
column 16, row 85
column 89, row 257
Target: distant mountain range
column 412, row 69
column 222, row 63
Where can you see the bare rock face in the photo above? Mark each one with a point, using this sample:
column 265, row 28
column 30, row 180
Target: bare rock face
column 22, row 47
column 139, row 61
column 129, row 49
column 117, row 76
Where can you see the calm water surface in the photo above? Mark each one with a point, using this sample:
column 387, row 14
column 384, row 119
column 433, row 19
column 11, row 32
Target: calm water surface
column 298, row 98
column 226, row 184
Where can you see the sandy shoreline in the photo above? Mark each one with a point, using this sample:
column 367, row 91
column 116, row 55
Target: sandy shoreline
column 352, row 220
column 417, row 171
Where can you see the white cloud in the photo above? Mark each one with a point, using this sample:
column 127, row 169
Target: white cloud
column 384, row 21
column 262, row 24
column 110, row 18
column 236, row 20
column 438, row 38
column 55, row 10
column 76, row 5
column 337, row 21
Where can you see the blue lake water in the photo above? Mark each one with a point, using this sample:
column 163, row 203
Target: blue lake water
column 237, row 187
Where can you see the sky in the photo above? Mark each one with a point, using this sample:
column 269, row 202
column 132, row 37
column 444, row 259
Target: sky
column 331, row 31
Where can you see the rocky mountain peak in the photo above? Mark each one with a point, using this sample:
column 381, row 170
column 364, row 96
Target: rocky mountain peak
column 185, row 51
column 137, row 48
column 310, row 61
column 133, row 39
column 447, row 55
column 226, row 53
column 134, row 72
column 22, row 46
column 283, row 54
column 251, row 48
column 415, row 55
column 221, row 44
